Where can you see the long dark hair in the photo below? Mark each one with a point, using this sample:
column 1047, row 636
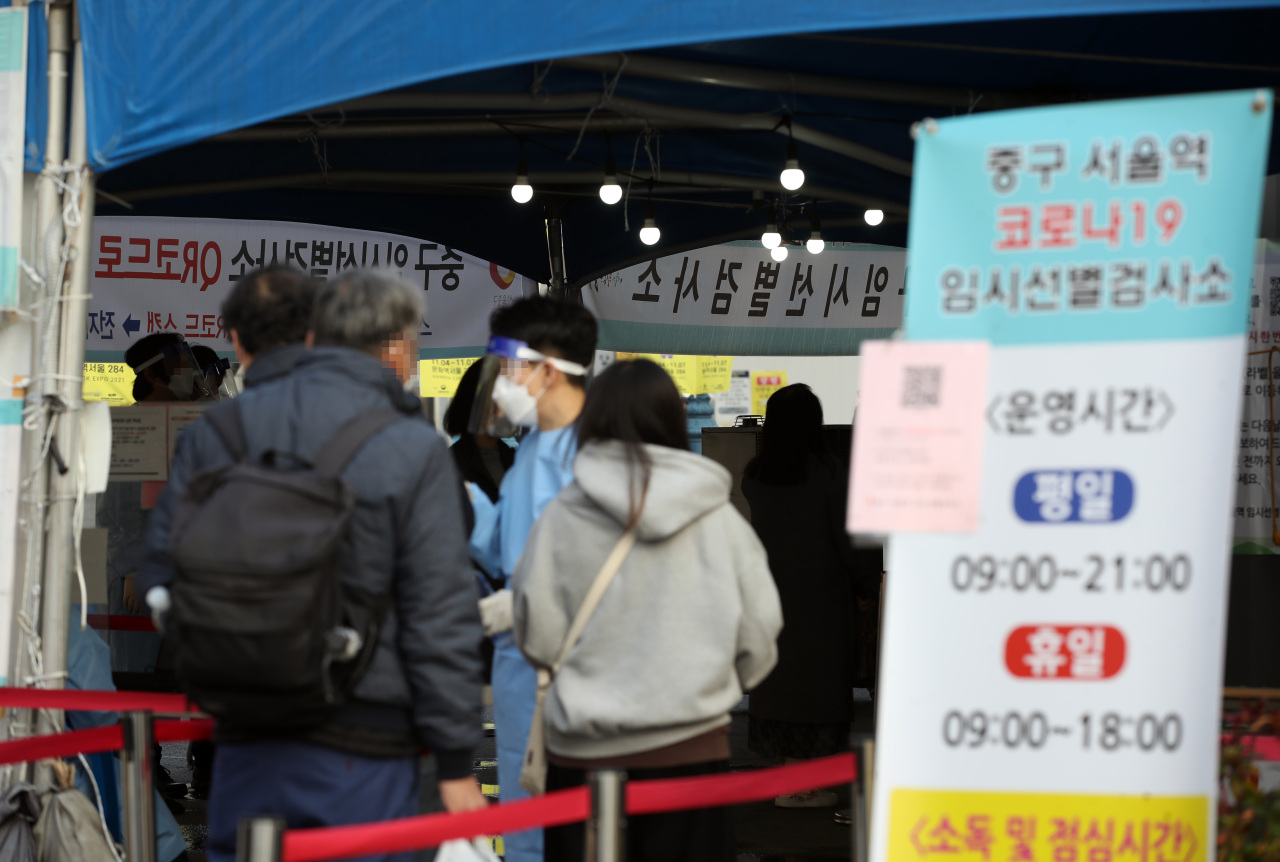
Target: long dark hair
column 635, row 403
column 458, row 414
column 792, row 435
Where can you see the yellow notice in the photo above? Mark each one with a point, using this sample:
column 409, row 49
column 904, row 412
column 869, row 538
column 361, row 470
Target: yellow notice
column 693, row 375
column 438, row 378
column 108, row 381
column 764, row 384
column 1031, row 827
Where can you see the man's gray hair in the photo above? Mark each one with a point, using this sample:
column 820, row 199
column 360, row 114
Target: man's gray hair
column 364, row 309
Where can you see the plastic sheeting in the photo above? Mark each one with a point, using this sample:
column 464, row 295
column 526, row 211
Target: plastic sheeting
column 161, row 75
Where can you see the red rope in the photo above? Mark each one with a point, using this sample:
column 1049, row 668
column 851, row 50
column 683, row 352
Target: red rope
column 121, row 623
column 94, row 740
column 561, row 807
column 413, row 833
column 111, row 701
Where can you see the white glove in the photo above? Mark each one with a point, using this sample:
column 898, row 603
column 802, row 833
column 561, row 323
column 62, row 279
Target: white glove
column 158, row 600
column 496, row 613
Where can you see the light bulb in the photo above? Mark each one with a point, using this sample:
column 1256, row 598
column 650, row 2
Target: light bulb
column 522, row 192
column 771, row 238
column 649, row 234
column 873, row 217
column 610, row 192
column 815, row 245
column 792, row 177
column 779, row 254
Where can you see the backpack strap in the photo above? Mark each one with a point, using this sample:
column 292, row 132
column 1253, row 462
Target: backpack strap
column 225, row 420
column 343, row 445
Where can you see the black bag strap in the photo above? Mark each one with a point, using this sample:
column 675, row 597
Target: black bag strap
column 225, row 420
column 344, row 444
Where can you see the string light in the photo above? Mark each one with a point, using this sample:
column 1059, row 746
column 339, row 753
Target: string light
column 522, row 192
column 649, row 234
column 792, row 177
column 779, row 254
column 771, row 238
column 815, row 245
column 873, row 217
column 610, row 191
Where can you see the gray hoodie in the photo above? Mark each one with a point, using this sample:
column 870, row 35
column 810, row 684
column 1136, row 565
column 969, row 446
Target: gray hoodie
column 689, row 623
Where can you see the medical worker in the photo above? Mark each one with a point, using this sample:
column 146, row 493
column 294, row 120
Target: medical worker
column 533, row 376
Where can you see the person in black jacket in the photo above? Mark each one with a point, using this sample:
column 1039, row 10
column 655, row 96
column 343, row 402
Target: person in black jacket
column 422, row 687
column 482, row 460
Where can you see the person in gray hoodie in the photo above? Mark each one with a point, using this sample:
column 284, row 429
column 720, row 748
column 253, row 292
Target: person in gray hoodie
column 689, row 623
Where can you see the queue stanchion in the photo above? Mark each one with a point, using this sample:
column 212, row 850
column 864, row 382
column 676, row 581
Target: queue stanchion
column 260, row 839
column 139, row 796
column 862, row 800
column 607, row 825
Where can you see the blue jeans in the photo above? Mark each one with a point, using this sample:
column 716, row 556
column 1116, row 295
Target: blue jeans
column 306, row 785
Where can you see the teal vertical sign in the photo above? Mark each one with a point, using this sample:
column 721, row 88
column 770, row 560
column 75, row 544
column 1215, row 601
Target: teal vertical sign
column 1101, row 222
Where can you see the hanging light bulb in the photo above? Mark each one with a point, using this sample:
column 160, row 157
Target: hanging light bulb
column 771, row 238
column 649, row 234
column 815, row 245
column 610, row 191
column 522, row 192
column 779, row 254
column 792, row 177
column 873, row 217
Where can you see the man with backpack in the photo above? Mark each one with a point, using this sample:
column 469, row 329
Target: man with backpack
column 322, row 602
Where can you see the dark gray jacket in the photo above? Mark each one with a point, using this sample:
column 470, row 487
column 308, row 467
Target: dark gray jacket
column 409, row 539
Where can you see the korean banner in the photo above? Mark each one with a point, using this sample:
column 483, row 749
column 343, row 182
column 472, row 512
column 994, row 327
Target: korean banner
column 1050, row 680
column 171, row 274
column 735, row 299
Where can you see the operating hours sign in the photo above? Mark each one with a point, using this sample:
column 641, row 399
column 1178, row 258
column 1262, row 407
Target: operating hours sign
column 1050, row 683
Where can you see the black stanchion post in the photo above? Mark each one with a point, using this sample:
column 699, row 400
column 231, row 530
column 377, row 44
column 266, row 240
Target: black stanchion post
column 607, row 826
column 260, row 839
column 862, row 801
column 139, row 797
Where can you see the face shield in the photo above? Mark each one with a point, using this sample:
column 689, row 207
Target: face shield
column 186, row 379
column 503, row 401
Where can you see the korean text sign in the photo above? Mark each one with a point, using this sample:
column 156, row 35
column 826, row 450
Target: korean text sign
column 171, row 274
column 1050, row 680
column 735, row 299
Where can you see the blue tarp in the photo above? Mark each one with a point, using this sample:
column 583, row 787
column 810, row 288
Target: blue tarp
column 161, row 75
column 164, row 77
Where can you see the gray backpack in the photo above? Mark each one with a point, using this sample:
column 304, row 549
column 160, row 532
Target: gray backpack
column 265, row 634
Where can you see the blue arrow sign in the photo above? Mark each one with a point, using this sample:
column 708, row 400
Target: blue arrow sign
column 131, row 325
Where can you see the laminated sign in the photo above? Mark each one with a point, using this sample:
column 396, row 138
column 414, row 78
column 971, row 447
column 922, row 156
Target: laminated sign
column 1050, row 679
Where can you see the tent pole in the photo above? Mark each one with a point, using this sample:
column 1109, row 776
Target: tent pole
column 47, row 244
column 66, row 485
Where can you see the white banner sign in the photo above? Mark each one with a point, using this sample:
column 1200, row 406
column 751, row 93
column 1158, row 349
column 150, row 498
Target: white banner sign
column 13, row 100
column 735, row 299
column 171, row 274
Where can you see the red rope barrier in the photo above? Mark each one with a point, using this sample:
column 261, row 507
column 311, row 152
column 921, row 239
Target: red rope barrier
column 561, row 807
column 713, row 791
column 97, row 739
column 121, row 623
column 110, row 701
column 413, row 833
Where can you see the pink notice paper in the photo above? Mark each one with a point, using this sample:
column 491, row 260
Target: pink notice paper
column 917, row 453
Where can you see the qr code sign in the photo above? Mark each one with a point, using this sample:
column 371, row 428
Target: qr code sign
column 1275, row 297
column 921, row 386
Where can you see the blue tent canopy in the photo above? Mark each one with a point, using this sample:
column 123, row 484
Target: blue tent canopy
column 226, row 108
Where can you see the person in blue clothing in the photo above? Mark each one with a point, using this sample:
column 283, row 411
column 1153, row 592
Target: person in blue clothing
column 534, row 376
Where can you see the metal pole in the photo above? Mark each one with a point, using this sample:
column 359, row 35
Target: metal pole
column 65, row 479
column 259, row 839
column 555, row 250
column 139, row 796
column 48, row 235
column 607, row 826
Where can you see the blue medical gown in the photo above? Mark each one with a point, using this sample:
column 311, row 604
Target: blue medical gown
column 543, row 466
column 89, row 669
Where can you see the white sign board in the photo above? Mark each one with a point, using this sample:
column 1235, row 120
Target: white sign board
column 1257, row 517
column 171, row 274
column 1051, row 683
column 735, row 299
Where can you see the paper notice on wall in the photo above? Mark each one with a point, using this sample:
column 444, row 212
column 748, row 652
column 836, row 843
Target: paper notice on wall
column 763, row 385
column 917, row 461
column 139, row 443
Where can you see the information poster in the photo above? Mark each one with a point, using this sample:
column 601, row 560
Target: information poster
column 763, row 385
column 1257, row 515
column 1050, row 681
column 693, row 375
